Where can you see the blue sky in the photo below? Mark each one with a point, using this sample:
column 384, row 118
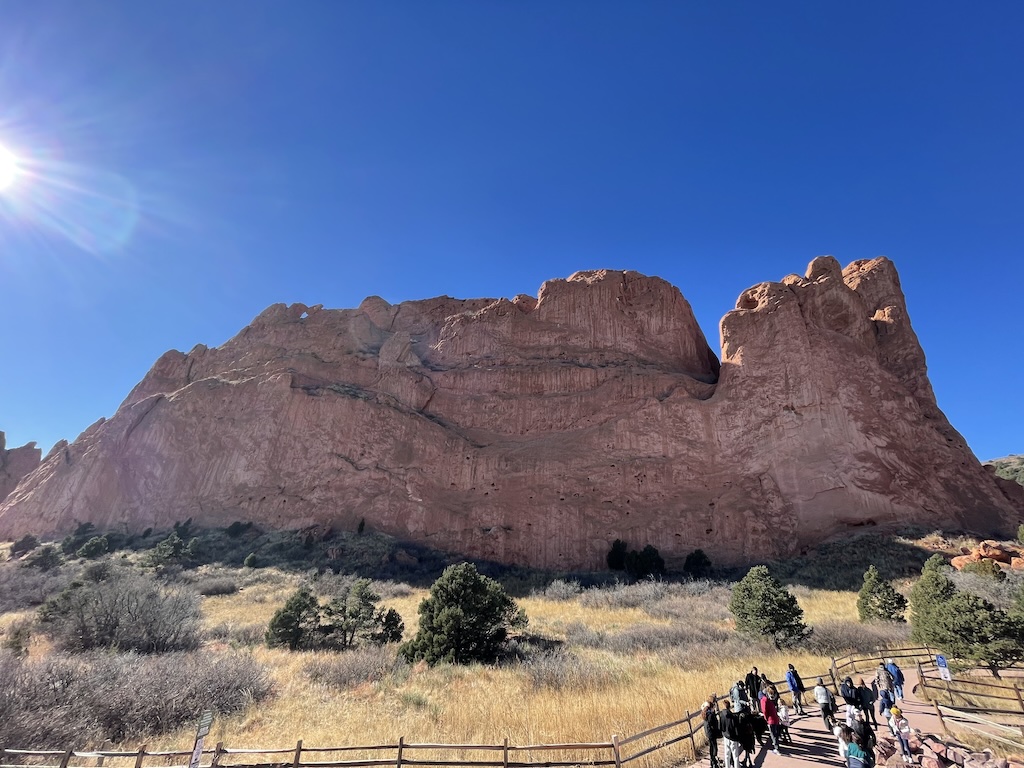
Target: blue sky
column 185, row 164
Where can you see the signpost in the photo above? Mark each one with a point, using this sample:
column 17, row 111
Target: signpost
column 940, row 662
column 204, row 728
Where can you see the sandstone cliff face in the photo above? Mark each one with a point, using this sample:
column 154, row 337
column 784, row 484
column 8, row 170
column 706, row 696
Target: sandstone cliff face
column 15, row 464
column 538, row 430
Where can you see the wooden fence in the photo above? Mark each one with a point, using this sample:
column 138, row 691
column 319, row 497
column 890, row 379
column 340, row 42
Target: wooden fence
column 686, row 734
column 973, row 704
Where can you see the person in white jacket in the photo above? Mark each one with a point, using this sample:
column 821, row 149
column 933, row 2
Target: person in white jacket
column 901, row 728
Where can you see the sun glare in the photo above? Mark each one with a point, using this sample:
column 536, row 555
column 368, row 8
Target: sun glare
column 8, row 168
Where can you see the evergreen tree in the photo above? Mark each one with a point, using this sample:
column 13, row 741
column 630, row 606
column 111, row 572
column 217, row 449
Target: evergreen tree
column 878, row 600
column 762, row 606
column 969, row 627
column 466, row 618
column 646, row 562
column 353, row 616
column 617, row 556
column 930, row 592
column 296, row 624
column 697, row 564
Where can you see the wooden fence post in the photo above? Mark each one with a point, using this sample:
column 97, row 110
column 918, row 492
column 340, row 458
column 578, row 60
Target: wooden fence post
column 616, row 752
column 921, row 680
column 66, row 758
column 3, row 754
column 141, row 756
column 1020, row 701
column 401, row 748
column 217, row 752
column 942, row 720
column 833, row 673
column 298, row 754
column 693, row 741
column 504, row 754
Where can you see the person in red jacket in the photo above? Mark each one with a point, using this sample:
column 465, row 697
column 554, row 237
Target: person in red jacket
column 771, row 716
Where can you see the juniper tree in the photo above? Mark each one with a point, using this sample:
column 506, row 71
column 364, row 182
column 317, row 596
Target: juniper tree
column 878, row 600
column 762, row 606
column 466, row 618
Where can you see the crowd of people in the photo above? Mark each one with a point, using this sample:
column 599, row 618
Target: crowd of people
column 755, row 714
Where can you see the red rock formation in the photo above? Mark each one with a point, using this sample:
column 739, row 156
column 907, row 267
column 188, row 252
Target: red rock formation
column 537, row 431
column 15, row 464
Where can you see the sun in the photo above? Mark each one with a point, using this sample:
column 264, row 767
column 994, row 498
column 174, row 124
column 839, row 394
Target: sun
column 8, row 168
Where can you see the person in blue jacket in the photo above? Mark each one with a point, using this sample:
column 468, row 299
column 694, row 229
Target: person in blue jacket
column 796, row 687
column 897, row 678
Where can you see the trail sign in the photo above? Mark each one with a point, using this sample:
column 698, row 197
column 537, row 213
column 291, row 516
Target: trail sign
column 204, row 724
column 940, row 662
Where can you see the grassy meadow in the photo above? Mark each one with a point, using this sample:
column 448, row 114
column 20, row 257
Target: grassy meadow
column 613, row 658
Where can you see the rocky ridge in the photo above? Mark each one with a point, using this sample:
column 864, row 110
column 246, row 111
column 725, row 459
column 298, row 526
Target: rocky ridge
column 537, row 430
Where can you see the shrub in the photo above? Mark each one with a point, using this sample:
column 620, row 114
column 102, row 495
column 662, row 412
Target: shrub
column 251, row 561
column 985, row 567
column 646, row 562
column 617, row 556
column 46, row 558
column 237, row 528
column 65, row 700
column 466, row 618
column 763, row 607
column 94, row 547
column 561, row 590
column 127, row 611
column 242, row 635
column 697, row 564
column 837, row 637
column 878, row 600
column 221, row 585
column 22, row 587
column 643, row 594
column 17, row 635
column 563, row 671
column 369, row 664
column 26, row 543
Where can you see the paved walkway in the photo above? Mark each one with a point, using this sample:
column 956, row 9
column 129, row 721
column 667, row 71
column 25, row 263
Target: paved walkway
column 813, row 744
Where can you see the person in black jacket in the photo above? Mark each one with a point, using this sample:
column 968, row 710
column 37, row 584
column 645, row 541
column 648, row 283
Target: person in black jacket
column 866, row 702
column 849, row 693
column 753, row 683
column 712, row 729
column 729, row 721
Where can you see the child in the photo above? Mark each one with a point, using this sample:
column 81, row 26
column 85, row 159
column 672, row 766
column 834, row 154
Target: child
column 901, row 728
column 784, row 724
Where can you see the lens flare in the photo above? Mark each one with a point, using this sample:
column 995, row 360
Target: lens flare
column 8, row 168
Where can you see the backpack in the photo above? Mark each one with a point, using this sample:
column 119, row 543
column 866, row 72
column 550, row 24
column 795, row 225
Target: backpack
column 730, row 724
column 712, row 727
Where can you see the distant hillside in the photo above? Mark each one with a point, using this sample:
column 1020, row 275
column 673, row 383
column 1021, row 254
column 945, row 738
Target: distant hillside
column 1011, row 467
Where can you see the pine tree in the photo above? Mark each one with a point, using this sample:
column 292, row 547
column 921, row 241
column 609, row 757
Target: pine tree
column 466, row 618
column 878, row 600
column 297, row 624
column 930, row 592
column 969, row 627
column 762, row 606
